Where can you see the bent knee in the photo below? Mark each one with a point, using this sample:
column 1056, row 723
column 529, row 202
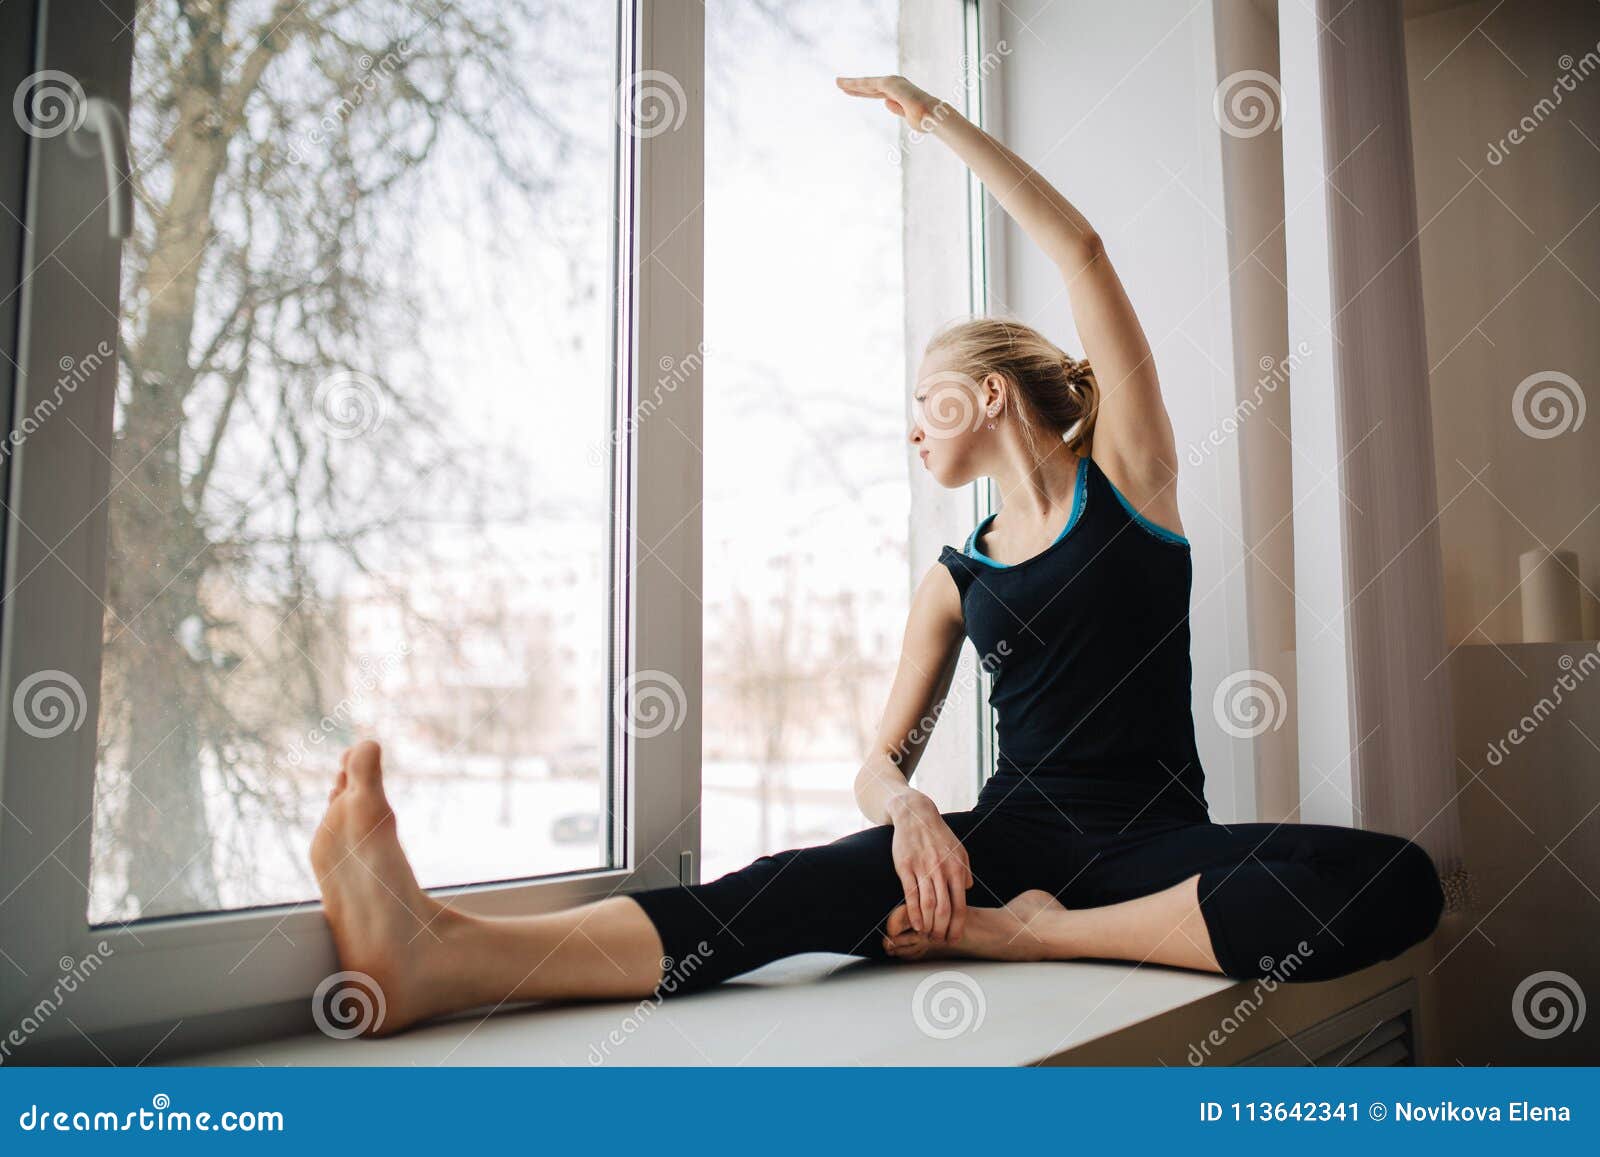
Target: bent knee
column 1417, row 888
column 1406, row 895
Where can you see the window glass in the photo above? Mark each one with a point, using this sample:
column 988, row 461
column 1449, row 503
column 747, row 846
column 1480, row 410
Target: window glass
column 806, row 478
column 361, row 445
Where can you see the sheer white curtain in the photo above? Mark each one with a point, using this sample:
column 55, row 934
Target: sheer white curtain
column 1369, row 578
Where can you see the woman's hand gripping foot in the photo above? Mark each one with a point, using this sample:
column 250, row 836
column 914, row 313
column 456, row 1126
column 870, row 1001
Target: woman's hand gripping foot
column 1018, row 931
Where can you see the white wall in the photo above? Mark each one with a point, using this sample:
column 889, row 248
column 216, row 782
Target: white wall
column 1510, row 256
column 1511, row 274
column 1113, row 103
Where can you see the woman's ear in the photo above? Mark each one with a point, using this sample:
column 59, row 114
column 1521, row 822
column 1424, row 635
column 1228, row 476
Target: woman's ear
column 994, row 392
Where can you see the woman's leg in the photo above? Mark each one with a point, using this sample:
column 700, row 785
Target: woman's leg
column 830, row 898
column 1297, row 901
column 1165, row 927
column 430, row 960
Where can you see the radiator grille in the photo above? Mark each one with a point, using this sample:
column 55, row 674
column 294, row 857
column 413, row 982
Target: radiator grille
column 1379, row 1031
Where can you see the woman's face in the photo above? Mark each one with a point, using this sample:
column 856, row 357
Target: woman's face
column 947, row 421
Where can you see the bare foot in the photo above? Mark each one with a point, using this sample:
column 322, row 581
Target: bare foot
column 384, row 925
column 1014, row 932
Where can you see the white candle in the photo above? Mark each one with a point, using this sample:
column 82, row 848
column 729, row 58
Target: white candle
column 1552, row 611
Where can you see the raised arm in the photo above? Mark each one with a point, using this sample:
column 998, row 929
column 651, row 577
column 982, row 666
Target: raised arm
column 1133, row 439
column 930, row 861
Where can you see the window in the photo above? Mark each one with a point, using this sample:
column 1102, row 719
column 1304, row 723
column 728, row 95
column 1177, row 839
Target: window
column 806, row 481
column 359, row 483
column 384, row 414
column 345, row 433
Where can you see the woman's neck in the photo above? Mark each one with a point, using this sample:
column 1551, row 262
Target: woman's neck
column 1037, row 485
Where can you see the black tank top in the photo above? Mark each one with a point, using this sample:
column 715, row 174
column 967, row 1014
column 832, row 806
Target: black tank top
column 1088, row 645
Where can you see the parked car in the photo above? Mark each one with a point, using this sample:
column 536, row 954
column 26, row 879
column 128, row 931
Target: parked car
column 577, row 828
column 576, row 761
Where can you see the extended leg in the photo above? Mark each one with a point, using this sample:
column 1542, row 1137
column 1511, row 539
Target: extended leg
column 428, row 959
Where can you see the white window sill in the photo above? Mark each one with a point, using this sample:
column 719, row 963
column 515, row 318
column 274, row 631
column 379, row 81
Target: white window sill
column 816, row 1009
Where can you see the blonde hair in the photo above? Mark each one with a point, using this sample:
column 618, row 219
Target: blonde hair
column 1053, row 389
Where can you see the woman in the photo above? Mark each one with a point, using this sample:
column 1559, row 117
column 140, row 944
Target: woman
column 1093, row 838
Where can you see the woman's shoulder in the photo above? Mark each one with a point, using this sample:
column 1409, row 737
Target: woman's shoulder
column 950, row 576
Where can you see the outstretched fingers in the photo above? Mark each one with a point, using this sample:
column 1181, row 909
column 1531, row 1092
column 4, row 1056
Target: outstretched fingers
column 862, row 85
column 883, row 88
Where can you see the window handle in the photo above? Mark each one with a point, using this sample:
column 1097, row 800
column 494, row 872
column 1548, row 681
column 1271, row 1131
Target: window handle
column 103, row 130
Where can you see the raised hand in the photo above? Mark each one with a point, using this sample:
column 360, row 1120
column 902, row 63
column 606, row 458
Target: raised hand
column 899, row 96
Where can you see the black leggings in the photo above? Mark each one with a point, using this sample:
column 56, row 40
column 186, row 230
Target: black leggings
column 1294, row 901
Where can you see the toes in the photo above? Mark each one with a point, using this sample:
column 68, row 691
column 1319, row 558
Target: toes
column 363, row 766
column 340, row 781
column 899, row 921
column 906, row 945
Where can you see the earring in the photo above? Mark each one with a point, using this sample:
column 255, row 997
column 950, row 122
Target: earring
column 994, row 412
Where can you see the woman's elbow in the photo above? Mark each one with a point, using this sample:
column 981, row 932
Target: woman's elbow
column 1078, row 251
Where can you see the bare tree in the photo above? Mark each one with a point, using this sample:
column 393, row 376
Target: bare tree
column 768, row 679
column 271, row 409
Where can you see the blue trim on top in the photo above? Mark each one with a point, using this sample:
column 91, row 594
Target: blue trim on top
column 1080, row 496
column 972, row 550
column 1160, row 532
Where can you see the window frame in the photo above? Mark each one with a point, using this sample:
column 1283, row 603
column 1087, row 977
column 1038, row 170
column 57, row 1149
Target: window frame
column 986, row 270
column 260, row 964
